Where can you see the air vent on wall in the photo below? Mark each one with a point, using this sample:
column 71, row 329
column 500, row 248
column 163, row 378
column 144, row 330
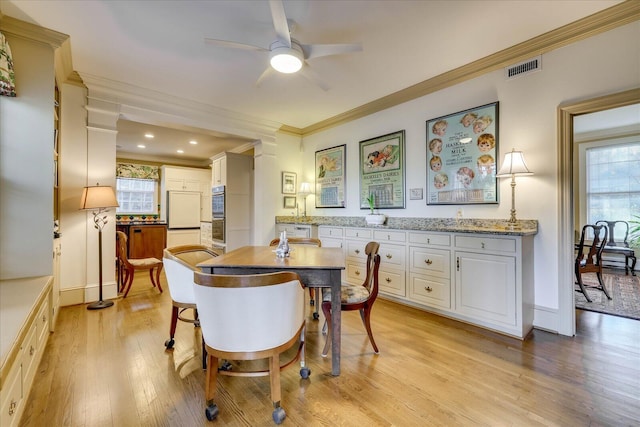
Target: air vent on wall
column 524, row 67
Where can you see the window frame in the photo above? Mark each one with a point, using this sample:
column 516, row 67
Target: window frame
column 156, row 189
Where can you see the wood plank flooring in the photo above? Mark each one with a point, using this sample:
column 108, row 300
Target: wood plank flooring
column 110, row 368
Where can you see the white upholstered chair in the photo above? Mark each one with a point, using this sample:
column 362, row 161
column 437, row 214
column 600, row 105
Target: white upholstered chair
column 249, row 317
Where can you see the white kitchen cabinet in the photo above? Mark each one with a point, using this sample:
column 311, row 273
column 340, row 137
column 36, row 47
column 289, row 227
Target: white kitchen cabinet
column 483, row 279
column 219, row 171
column 176, row 178
column 296, row 230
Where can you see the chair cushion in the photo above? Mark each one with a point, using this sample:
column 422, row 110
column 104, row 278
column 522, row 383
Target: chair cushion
column 350, row 294
column 145, row 262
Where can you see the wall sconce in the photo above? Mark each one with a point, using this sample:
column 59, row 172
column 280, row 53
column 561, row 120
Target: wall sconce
column 99, row 198
column 305, row 190
column 513, row 165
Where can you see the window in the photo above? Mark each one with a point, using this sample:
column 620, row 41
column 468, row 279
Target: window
column 136, row 196
column 613, row 182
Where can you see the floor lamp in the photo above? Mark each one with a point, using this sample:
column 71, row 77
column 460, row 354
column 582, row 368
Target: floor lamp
column 99, row 198
column 513, row 165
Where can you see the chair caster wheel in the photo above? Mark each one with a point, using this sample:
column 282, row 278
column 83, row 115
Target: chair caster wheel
column 169, row 343
column 305, row 372
column 211, row 412
column 279, row 415
column 316, row 316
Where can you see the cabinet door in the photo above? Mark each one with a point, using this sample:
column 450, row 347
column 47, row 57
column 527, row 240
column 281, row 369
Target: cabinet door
column 147, row 241
column 486, row 287
column 174, row 184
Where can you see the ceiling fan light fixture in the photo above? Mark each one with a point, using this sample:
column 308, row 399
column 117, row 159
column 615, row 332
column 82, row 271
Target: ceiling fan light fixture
column 286, row 60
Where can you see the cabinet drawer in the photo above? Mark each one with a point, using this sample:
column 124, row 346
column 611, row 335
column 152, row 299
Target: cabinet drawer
column 486, row 243
column 392, row 282
column 29, row 356
column 429, row 239
column 392, row 256
column 335, row 232
column 355, row 249
column 430, row 290
column 359, row 233
column 11, row 397
column 389, row 236
column 356, row 272
column 434, row 262
column 294, row 230
column 42, row 325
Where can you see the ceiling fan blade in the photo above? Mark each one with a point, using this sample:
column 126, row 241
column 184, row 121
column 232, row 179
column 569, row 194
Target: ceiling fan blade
column 313, row 77
column 264, row 75
column 234, row 45
column 280, row 21
column 317, row 50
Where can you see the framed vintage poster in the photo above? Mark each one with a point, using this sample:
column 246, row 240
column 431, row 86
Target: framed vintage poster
column 289, row 183
column 331, row 177
column 462, row 153
column 382, row 171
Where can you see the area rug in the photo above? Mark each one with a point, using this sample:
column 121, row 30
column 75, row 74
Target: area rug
column 625, row 291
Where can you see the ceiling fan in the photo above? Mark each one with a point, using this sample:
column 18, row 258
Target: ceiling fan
column 286, row 54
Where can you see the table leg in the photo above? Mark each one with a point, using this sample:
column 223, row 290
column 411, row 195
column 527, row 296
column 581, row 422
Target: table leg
column 336, row 319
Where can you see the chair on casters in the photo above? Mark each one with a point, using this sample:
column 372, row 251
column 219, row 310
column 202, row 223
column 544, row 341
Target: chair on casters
column 311, row 241
column 357, row 297
column 249, row 317
column 179, row 264
column 129, row 266
column 589, row 257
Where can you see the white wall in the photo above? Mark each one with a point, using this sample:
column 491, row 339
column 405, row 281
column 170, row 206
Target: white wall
column 26, row 163
column 603, row 64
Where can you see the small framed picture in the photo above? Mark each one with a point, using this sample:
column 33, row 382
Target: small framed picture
column 415, row 194
column 289, row 183
column 289, row 202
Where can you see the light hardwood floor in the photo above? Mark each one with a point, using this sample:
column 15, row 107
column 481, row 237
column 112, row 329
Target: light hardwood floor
column 110, row 368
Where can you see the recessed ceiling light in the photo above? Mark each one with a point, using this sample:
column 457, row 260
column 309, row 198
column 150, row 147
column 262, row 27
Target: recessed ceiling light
column 148, row 135
column 142, row 146
column 193, row 142
column 180, row 151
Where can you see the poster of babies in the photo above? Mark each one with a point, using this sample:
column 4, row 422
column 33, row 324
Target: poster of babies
column 462, row 149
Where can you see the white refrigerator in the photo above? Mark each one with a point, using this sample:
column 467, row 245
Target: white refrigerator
column 183, row 218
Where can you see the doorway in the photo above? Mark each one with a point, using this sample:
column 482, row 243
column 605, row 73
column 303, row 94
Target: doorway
column 566, row 215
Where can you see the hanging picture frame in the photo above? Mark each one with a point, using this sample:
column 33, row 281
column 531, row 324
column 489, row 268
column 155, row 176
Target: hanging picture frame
column 289, row 202
column 382, row 171
column 462, row 153
column 289, row 182
column 331, row 177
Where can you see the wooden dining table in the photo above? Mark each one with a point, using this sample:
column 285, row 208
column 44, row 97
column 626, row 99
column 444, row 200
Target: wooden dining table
column 317, row 267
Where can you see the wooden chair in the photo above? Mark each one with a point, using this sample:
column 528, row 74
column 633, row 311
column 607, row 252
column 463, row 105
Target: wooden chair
column 129, row 266
column 589, row 257
column 357, row 297
column 619, row 248
column 311, row 241
column 249, row 317
column 179, row 264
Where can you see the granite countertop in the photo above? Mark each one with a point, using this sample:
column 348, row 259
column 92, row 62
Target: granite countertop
column 525, row 227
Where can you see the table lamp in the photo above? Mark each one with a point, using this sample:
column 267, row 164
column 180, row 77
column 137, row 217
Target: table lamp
column 99, row 198
column 305, row 190
column 513, row 165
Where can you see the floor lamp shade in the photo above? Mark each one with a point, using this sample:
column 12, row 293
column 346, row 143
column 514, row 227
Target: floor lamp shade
column 513, row 165
column 99, row 198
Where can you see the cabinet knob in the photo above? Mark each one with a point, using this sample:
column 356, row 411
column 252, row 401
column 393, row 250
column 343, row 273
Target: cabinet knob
column 31, row 350
column 482, row 245
column 428, row 288
column 428, row 241
column 357, row 234
column 388, row 236
column 357, row 272
column 357, row 251
column 389, row 256
column 44, row 318
column 387, row 280
column 428, row 261
column 458, row 263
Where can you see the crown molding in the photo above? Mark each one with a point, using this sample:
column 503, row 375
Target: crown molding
column 32, row 32
column 600, row 22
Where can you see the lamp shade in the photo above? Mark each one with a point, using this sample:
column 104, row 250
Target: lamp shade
column 305, row 189
column 513, row 164
column 98, row 196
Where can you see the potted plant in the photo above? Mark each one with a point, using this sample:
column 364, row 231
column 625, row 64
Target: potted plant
column 374, row 218
column 634, row 232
